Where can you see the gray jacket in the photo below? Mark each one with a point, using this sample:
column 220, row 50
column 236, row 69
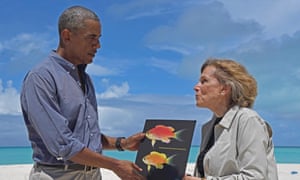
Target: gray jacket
column 243, row 148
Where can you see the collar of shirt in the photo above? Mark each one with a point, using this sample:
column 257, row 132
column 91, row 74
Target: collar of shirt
column 68, row 66
column 228, row 117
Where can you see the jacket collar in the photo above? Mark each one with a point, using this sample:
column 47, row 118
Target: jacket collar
column 229, row 116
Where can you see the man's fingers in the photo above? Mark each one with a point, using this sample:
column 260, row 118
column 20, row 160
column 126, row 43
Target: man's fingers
column 137, row 167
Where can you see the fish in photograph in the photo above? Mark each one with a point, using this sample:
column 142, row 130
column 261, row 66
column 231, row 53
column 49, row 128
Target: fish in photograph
column 163, row 133
column 157, row 159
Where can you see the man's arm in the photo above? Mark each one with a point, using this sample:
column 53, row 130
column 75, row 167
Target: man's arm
column 124, row 169
column 131, row 143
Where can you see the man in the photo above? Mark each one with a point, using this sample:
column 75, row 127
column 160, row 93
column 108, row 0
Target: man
column 60, row 109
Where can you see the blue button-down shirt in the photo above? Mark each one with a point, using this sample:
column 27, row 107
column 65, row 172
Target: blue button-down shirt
column 60, row 117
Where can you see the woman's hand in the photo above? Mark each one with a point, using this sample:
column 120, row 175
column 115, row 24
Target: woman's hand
column 188, row 177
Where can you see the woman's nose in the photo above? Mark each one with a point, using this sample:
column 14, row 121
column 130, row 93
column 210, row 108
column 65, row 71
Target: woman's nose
column 197, row 87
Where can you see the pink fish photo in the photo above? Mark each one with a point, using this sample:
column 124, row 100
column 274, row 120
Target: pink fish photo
column 163, row 133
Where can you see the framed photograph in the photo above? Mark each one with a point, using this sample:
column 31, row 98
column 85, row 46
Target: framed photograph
column 164, row 152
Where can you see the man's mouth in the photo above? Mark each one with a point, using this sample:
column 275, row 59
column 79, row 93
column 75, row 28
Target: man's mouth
column 91, row 54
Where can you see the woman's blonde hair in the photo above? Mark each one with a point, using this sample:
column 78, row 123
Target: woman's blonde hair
column 243, row 85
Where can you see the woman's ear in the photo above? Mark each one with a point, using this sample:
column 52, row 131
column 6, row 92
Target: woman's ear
column 226, row 89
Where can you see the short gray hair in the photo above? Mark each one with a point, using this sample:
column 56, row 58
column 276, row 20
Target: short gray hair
column 73, row 18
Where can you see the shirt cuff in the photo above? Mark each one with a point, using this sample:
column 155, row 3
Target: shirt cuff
column 68, row 151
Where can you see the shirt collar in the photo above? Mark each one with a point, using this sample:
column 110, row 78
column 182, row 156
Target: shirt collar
column 67, row 65
column 229, row 116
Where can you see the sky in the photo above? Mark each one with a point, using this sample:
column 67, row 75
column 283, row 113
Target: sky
column 151, row 55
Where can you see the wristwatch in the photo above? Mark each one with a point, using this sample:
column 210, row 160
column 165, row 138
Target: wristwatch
column 118, row 143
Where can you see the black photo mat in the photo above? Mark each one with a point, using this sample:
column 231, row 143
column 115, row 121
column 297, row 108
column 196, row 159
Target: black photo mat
column 163, row 154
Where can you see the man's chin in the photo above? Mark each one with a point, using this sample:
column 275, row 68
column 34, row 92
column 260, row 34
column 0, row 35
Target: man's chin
column 89, row 61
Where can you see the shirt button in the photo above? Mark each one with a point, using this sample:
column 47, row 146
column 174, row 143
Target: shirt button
column 91, row 134
column 88, row 116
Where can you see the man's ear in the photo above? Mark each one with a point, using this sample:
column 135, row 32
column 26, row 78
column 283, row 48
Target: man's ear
column 65, row 36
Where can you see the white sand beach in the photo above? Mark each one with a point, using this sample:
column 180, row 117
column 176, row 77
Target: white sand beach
column 21, row 172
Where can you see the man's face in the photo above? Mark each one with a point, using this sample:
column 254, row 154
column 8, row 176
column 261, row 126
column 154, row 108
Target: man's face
column 84, row 43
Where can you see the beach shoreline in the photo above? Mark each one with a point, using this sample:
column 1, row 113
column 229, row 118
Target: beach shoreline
column 21, row 172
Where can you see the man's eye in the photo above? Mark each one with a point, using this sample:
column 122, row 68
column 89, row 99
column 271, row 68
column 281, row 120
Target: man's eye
column 92, row 37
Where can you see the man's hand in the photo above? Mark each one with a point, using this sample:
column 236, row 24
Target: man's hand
column 132, row 143
column 127, row 170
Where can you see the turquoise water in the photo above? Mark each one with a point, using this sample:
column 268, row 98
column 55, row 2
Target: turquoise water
column 22, row 155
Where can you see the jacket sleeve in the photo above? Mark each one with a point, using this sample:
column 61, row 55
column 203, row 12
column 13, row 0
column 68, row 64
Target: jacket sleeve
column 252, row 144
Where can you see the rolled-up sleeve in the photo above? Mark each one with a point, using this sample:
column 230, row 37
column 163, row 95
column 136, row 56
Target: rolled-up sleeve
column 41, row 104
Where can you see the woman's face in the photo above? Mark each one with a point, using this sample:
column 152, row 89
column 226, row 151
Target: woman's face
column 208, row 91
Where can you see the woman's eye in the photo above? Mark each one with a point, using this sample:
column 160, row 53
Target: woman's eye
column 203, row 81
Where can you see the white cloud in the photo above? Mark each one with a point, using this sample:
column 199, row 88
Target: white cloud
column 161, row 99
column 277, row 17
column 154, row 12
column 297, row 73
column 240, row 36
column 131, row 10
column 180, row 50
column 192, row 29
column 23, row 51
column 203, row 28
column 167, row 65
column 275, row 65
column 98, row 70
column 115, row 91
column 126, row 115
column 9, row 99
column 113, row 120
column 26, row 43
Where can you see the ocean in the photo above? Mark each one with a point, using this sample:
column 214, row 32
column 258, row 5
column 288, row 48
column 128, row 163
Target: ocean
column 22, row 155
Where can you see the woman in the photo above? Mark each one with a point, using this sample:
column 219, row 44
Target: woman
column 236, row 142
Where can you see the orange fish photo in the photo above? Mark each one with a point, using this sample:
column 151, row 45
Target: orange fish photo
column 163, row 133
column 157, row 159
